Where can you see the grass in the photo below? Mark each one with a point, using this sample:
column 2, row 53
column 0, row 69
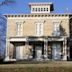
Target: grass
column 47, row 66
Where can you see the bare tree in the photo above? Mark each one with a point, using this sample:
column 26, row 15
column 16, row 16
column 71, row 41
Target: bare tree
column 2, row 36
column 5, row 2
column 3, row 29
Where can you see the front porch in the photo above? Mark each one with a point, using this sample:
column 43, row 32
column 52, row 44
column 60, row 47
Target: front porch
column 43, row 48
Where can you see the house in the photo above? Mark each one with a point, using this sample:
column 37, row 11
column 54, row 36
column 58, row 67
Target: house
column 40, row 35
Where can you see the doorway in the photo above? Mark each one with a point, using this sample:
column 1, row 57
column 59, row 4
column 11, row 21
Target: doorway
column 38, row 52
column 19, row 51
column 56, row 51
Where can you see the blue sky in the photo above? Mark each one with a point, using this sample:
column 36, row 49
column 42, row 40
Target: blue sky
column 21, row 6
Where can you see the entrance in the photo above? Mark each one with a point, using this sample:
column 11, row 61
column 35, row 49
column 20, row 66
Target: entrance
column 38, row 52
column 56, row 51
column 19, row 51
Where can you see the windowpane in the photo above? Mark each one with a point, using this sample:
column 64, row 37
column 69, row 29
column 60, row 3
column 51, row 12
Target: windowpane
column 39, row 29
column 38, row 9
column 41, row 9
column 56, row 31
column 33, row 9
column 47, row 9
column 19, row 29
column 44, row 9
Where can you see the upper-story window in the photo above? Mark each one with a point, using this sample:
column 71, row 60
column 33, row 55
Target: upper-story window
column 19, row 28
column 56, row 28
column 39, row 29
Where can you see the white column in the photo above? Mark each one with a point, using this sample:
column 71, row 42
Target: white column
column 7, row 51
column 45, row 49
column 68, row 52
column 65, row 49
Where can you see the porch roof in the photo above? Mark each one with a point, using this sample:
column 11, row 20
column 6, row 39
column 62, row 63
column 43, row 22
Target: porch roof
column 35, row 38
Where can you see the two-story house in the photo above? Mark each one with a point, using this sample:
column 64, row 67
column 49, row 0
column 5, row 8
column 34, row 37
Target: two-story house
column 40, row 35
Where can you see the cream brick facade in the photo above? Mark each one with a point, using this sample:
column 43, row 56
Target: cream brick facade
column 30, row 24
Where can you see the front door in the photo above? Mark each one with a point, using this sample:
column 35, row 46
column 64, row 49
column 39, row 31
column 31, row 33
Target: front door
column 56, row 51
column 38, row 52
column 19, row 52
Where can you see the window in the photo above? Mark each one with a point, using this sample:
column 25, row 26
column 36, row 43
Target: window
column 47, row 9
column 44, row 9
column 56, row 29
column 19, row 29
column 41, row 9
column 38, row 9
column 39, row 29
column 33, row 9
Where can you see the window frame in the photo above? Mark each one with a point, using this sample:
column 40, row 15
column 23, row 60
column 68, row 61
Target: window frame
column 19, row 29
column 39, row 29
column 56, row 28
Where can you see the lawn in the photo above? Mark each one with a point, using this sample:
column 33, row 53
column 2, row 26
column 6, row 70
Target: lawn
column 49, row 66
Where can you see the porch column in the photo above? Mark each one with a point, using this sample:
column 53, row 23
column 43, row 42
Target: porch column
column 65, row 49
column 7, row 51
column 68, row 52
column 45, row 49
column 11, row 51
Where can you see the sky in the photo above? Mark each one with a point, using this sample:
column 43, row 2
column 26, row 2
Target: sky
column 21, row 6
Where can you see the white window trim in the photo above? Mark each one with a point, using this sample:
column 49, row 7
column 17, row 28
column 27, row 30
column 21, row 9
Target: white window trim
column 39, row 29
column 56, row 22
column 19, row 28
